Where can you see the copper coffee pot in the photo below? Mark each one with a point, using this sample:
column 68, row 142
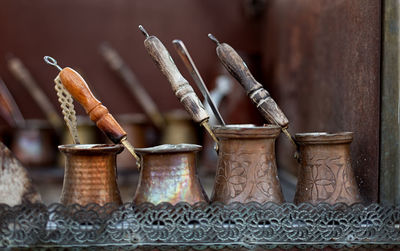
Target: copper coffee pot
column 32, row 141
column 90, row 174
column 325, row 173
column 168, row 174
column 88, row 134
column 246, row 164
column 34, row 144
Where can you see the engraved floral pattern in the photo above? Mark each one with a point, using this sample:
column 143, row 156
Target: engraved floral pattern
column 321, row 181
column 232, row 176
column 349, row 184
column 264, row 170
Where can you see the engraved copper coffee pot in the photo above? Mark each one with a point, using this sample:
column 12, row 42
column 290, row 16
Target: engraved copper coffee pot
column 168, row 174
column 90, row 174
column 246, row 164
column 325, row 173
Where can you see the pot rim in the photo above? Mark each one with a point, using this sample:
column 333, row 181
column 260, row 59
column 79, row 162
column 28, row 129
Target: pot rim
column 91, row 148
column 247, row 131
column 324, row 137
column 169, row 148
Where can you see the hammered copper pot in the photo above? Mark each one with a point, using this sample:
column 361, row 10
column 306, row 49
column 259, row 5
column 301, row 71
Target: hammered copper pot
column 90, row 174
column 168, row 174
column 34, row 144
column 88, row 133
column 325, row 173
column 246, row 168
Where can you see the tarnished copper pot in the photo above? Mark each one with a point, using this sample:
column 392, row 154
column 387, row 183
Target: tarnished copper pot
column 34, row 144
column 168, row 174
column 88, row 134
column 325, row 174
column 90, row 174
column 246, row 168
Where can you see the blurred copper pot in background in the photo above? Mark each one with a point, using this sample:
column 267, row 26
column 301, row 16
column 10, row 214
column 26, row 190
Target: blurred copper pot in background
column 35, row 144
column 90, row 174
column 246, row 164
column 325, row 174
column 168, row 174
column 138, row 129
column 180, row 128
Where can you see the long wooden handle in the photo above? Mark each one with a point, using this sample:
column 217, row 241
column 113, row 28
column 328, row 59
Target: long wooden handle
column 9, row 108
column 98, row 113
column 260, row 97
column 180, row 85
column 21, row 73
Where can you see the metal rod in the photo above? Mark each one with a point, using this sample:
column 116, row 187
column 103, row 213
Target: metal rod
column 188, row 61
column 51, row 61
column 143, row 30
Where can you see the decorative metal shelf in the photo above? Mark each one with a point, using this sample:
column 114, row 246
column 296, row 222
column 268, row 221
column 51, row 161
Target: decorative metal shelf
column 199, row 226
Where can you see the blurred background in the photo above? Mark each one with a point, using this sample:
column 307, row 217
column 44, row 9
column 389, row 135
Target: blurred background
column 319, row 59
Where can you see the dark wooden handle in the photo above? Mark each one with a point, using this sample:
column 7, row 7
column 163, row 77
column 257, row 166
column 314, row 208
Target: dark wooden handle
column 97, row 112
column 260, row 97
column 180, row 85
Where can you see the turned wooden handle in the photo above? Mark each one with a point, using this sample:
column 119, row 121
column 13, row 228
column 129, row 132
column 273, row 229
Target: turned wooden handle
column 180, row 85
column 260, row 97
column 97, row 112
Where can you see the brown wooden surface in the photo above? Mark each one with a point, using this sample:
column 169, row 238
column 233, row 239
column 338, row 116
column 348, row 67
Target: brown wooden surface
column 322, row 59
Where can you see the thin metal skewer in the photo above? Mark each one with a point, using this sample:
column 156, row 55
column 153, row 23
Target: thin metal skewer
column 51, row 61
column 188, row 61
column 143, row 30
column 211, row 36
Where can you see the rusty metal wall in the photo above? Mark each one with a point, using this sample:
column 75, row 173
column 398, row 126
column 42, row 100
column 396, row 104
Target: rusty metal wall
column 322, row 63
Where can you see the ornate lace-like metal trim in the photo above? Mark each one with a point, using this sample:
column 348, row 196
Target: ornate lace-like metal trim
column 200, row 226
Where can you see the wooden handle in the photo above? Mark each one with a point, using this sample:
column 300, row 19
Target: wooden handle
column 97, row 112
column 260, row 97
column 9, row 108
column 23, row 75
column 180, row 85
